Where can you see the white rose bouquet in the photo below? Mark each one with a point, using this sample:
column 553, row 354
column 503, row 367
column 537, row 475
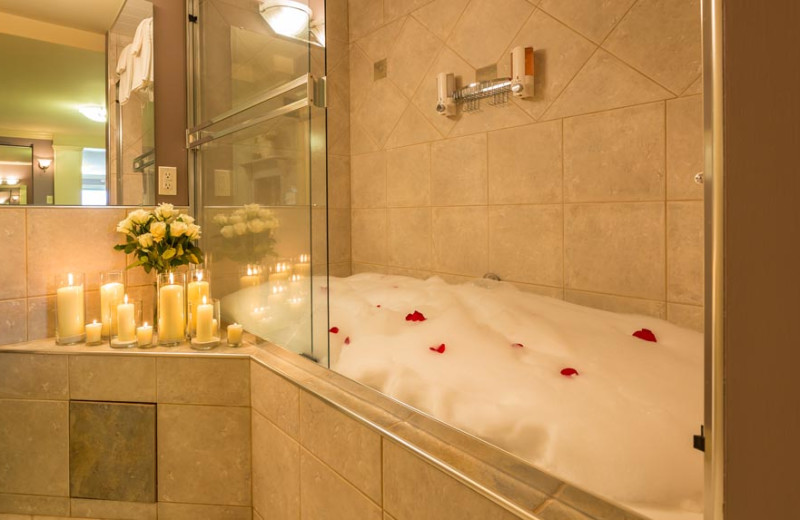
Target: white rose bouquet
column 161, row 239
column 247, row 234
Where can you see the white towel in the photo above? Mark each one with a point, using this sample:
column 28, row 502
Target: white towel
column 142, row 57
column 124, row 70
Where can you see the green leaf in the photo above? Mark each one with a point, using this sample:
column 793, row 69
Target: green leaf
column 169, row 253
column 129, row 248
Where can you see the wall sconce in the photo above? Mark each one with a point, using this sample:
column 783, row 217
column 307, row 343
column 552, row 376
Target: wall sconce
column 44, row 164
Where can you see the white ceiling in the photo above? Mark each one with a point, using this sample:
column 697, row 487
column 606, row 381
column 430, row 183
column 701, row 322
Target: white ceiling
column 89, row 15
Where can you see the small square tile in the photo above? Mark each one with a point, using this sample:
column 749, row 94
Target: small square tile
column 203, row 381
column 113, row 378
column 33, row 376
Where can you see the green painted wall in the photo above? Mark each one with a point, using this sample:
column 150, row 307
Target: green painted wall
column 67, row 175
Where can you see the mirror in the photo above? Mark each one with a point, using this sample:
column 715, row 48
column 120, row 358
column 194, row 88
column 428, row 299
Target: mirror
column 56, row 147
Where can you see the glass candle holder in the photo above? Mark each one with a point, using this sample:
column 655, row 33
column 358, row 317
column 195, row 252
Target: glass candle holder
column 250, row 276
column 70, row 309
column 302, row 265
column 144, row 335
column 94, row 333
column 197, row 289
column 280, row 271
column 234, row 336
column 112, row 289
column 207, row 317
column 171, row 308
column 128, row 318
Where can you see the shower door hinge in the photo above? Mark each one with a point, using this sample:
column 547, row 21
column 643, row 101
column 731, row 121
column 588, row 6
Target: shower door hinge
column 699, row 441
column 318, row 91
column 193, row 18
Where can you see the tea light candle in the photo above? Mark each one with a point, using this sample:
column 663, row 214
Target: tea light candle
column 70, row 308
column 303, row 265
column 126, row 321
column 94, row 332
column 235, row 331
column 205, row 321
column 280, row 272
column 277, row 295
column 110, row 297
column 172, row 317
column 196, row 291
column 144, row 335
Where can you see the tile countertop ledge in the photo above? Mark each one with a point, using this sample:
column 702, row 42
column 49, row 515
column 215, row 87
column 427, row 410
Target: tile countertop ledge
column 507, row 480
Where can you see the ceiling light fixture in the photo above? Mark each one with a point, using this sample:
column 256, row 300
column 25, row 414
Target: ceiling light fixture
column 286, row 17
column 94, row 112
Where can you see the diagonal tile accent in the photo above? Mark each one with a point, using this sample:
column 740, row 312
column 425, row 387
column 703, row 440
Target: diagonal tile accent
column 591, row 18
column 490, row 118
column 559, row 54
column 396, row 8
column 605, row 83
column 485, row 29
column 360, row 77
column 662, row 39
column 381, row 110
column 440, row 16
column 414, row 52
column 694, row 88
column 412, row 128
column 379, row 44
column 364, row 16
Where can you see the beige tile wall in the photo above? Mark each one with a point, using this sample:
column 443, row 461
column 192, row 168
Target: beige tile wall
column 37, row 244
column 584, row 192
column 312, row 461
column 204, row 468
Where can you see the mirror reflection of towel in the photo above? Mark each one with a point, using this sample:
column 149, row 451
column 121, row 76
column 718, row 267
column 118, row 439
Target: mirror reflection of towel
column 135, row 64
column 124, row 70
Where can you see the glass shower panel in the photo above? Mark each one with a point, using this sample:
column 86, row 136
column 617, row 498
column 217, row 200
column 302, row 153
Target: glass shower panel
column 261, row 186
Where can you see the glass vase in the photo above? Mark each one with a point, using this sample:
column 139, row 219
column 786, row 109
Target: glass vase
column 171, row 308
column 128, row 317
column 197, row 289
column 70, row 309
column 112, row 290
column 206, row 316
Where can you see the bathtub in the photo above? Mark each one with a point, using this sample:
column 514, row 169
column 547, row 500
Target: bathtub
column 567, row 388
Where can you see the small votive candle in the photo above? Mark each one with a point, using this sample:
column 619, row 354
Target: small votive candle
column 144, row 335
column 94, row 333
column 235, row 331
column 303, row 265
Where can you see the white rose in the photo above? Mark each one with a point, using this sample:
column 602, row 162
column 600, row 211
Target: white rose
column 186, row 219
column 220, row 220
column 146, row 240
column 165, row 211
column 158, row 230
column 193, row 232
column 139, row 216
column 256, row 226
column 264, row 213
column 125, row 226
column 177, row 229
column 240, row 228
column 235, row 219
column 251, row 210
column 227, row 231
column 271, row 223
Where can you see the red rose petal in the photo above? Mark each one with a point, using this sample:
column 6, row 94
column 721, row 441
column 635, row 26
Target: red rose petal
column 334, row 330
column 439, row 349
column 378, row 306
column 415, row 316
column 517, row 345
column 569, row 372
column 347, row 340
column 645, row 334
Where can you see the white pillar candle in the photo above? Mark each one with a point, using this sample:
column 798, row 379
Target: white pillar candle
column 252, row 278
column 172, row 316
column 144, row 335
column 235, row 331
column 110, row 297
column 280, row 272
column 303, row 265
column 94, row 332
column 205, row 317
column 70, row 308
column 195, row 292
column 126, row 321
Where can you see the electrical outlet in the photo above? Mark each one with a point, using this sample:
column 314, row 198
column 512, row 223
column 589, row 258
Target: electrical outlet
column 167, row 180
